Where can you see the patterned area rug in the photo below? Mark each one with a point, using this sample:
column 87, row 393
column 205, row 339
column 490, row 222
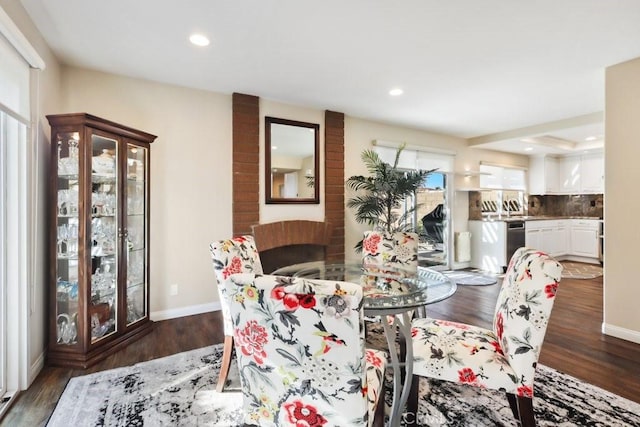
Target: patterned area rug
column 470, row 278
column 580, row 270
column 179, row 390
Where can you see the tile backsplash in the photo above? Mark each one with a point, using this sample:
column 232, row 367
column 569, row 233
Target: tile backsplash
column 549, row 205
column 567, row 205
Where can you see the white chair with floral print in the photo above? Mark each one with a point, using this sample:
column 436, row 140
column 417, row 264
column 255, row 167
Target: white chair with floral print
column 237, row 255
column 505, row 357
column 301, row 354
column 397, row 250
column 388, row 257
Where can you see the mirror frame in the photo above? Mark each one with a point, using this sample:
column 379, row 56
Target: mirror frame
column 269, row 199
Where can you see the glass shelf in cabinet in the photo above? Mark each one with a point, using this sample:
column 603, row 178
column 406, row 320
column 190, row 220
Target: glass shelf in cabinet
column 102, row 296
column 107, row 254
column 103, row 178
column 71, row 177
column 102, row 330
column 138, row 285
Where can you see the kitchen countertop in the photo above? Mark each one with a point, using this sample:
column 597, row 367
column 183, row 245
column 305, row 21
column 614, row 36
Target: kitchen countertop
column 531, row 218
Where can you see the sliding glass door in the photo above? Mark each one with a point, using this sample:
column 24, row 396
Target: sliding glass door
column 432, row 221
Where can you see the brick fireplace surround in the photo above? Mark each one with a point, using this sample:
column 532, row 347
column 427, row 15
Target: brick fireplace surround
column 284, row 243
column 297, row 239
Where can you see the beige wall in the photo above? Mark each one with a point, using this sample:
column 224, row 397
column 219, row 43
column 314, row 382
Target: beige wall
column 190, row 174
column 622, row 151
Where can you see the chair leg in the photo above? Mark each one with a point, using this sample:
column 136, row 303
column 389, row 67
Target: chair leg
column 525, row 409
column 378, row 415
column 227, row 353
column 513, row 404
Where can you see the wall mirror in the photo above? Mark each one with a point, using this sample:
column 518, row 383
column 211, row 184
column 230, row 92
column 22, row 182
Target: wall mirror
column 291, row 161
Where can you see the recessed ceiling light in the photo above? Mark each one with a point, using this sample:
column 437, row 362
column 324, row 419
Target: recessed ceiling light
column 591, row 138
column 528, row 149
column 199, row 39
column 396, row 92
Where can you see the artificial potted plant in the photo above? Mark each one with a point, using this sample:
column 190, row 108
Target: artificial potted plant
column 379, row 196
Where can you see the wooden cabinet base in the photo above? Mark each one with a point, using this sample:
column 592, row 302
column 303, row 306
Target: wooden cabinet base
column 67, row 357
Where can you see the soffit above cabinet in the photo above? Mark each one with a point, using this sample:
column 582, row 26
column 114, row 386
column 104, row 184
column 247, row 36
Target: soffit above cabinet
column 564, row 138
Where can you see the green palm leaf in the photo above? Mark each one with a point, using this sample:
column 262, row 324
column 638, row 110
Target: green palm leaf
column 379, row 197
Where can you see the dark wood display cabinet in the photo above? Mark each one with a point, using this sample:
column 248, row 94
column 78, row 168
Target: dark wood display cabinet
column 99, row 238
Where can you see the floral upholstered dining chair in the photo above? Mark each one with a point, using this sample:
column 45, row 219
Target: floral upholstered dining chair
column 389, row 257
column 398, row 250
column 502, row 358
column 237, row 255
column 301, row 353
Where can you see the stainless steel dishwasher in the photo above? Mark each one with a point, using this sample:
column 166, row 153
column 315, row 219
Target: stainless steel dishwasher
column 515, row 237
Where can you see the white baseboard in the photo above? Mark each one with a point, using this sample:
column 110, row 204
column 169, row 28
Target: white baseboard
column 35, row 369
column 622, row 333
column 460, row 265
column 185, row 311
column 586, row 260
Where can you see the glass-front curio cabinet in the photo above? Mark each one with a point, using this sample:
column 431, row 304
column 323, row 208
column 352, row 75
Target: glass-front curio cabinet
column 99, row 238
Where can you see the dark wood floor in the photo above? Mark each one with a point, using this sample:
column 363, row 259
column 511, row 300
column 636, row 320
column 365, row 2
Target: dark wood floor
column 573, row 345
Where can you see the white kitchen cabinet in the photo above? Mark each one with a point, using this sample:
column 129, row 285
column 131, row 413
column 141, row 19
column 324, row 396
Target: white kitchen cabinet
column 488, row 245
column 543, row 175
column 533, row 237
column 567, row 175
column 570, row 174
column 585, row 238
column 549, row 236
column 561, row 244
column 592, row 174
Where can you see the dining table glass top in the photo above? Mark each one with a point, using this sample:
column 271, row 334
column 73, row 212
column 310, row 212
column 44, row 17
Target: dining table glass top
column 386, row 289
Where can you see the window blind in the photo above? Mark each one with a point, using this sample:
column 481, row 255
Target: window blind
column 14, row 82
column 416, row 159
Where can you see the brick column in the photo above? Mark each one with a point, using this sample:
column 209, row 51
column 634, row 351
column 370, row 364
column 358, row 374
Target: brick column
column 246, row 163
column 334, row 182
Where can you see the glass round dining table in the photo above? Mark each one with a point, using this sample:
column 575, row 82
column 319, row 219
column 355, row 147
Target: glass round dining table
column 395, row 294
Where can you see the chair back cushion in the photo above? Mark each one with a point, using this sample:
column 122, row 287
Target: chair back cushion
column 300, row 348
column 398, row 250
column 237, row 255
column 523, row 309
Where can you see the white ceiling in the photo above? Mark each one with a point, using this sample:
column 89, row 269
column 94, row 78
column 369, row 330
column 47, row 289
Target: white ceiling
column 468, row 68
